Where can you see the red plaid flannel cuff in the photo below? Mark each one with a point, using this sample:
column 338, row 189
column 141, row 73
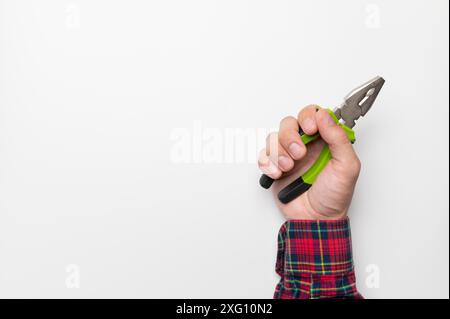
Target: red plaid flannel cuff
column 315, row 260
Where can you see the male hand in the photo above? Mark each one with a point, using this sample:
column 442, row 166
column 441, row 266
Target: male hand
column 285, row 158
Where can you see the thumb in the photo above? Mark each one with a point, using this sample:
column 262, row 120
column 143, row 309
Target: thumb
column 340, row 146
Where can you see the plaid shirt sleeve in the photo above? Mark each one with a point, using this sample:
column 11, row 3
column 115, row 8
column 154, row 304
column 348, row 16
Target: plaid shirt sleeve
column 315, row 260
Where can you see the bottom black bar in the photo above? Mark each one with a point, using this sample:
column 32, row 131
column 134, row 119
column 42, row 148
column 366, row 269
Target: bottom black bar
column 218, row 308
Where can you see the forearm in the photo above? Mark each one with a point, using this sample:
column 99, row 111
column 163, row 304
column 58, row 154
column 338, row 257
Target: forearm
column 315, row 260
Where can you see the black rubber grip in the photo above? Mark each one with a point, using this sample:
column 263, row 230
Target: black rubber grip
column 293, row 190
column 265, row 181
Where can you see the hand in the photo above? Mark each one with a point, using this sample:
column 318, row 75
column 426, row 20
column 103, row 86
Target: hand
column 285, row 158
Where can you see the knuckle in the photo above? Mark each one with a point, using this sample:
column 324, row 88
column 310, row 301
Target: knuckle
column 354, row 166
column 339, row 136
column 261, row 163
column 357, row 164
column 306, row 109
column 263, row 160
column 312, row 107
column 286, row 120
column 350, row 166
column 284, row 137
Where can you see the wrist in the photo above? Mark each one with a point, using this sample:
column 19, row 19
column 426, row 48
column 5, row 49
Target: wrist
column 303, row 210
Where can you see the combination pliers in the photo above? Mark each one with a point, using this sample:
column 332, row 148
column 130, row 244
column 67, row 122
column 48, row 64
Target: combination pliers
column 356, row 104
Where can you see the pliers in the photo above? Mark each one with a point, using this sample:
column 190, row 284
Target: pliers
column 356, row 104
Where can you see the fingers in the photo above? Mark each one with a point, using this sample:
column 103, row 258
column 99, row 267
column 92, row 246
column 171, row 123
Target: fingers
column 340, row 146
column 267, row 166
column 277, row 154
column 307, row 119
column 289, row 138
column 286, row 146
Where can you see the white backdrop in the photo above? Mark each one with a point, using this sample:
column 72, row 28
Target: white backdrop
column 129, row 131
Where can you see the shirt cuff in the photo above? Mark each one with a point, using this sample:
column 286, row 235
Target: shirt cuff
column 315, row 259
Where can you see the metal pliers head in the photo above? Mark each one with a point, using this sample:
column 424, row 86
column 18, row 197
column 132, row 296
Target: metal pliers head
column 359, row 101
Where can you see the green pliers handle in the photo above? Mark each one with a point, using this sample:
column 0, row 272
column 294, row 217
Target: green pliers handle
column 304, row 182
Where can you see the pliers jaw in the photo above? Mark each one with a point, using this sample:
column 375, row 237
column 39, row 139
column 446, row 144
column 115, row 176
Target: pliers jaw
column 359, row 101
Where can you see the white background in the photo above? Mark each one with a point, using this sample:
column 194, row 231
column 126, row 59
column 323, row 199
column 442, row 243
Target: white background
column 91, row 92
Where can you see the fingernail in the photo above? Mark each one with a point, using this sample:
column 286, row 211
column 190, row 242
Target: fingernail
column 308, row 124
column 296, row 150
column 284, row 162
